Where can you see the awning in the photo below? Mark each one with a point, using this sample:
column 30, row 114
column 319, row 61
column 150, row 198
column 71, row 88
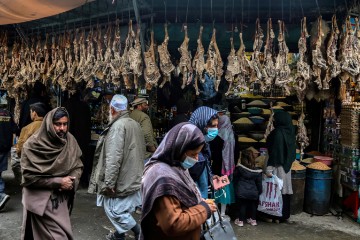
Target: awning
column 18, row 11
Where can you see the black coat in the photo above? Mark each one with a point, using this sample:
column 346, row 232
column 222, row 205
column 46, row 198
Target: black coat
column 247, row 182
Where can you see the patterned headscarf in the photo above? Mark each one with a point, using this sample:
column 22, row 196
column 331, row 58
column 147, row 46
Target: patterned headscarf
column 227, row 135
column 201, row 116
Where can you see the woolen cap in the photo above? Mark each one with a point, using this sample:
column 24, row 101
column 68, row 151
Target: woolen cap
column 138, row 101
column 119, row 102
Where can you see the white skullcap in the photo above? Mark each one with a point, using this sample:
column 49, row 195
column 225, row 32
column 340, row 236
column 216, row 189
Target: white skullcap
column 119, row 102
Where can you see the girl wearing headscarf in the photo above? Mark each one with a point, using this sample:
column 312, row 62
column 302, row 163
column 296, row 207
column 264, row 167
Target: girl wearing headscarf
column 222, row 151
column 281, row 145
column 206, row 119
column 172, row 205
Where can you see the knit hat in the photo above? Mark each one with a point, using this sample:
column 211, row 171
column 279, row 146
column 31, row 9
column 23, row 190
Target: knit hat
column 119, row 102
column 138, row 101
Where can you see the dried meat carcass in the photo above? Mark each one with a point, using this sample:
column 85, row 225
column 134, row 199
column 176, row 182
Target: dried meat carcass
column 125, row 67
column 214, row 64
column 60, row 66
column 255, row 64
column 136, row 65
column 244, row 64
column 44, row 66
column 166, row 65
column 302, row 137
column 269, row 71
column 90, row 60
column 198, row 63
column 75, row 64
column 317, row 57
column 4, row 61
column 98, row 68
column 283, row 78
column 303, row 74
column 108, row 56
column 116, row 62
column 348, row 59
column 82, row 56
column 15, row 60
column 233, row 67
column 335, row 69
column 151, row 73
column 185, row 60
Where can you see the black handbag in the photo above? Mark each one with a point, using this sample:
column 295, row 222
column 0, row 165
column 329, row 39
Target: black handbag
column 220, row 230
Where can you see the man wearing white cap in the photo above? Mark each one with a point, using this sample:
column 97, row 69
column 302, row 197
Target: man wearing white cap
column 139, row 114
column 117, row 177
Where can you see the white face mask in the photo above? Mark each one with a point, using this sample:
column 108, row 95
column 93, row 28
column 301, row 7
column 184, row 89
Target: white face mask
column 188, row 162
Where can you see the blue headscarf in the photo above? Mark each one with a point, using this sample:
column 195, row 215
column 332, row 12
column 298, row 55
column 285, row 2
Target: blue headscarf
column 201, row 116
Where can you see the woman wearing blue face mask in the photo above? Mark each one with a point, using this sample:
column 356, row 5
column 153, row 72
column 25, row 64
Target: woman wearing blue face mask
column 207, row 120
column 172, row 206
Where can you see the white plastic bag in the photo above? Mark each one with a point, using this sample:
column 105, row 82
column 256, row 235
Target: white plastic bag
column 270, row 200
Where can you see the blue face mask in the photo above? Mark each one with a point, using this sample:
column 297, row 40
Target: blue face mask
column 188, row 162
column 211, row 134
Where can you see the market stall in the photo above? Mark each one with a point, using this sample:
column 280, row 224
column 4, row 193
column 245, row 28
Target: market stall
column 240, row 57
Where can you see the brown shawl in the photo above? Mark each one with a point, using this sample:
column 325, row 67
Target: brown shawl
column 47, row 155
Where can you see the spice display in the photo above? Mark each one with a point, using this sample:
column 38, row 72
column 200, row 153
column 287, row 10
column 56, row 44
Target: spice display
column 318, row 166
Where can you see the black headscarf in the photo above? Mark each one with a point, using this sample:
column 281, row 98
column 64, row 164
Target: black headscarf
column 281, row 142
column 163, row 174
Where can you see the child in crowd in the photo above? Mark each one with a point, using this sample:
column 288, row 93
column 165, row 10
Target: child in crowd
column 248, row 187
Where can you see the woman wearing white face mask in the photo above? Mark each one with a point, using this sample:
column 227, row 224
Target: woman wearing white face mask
column 172, row 205
column 207, row 120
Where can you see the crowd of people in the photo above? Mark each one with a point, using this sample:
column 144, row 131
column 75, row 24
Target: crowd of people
column 172, row 183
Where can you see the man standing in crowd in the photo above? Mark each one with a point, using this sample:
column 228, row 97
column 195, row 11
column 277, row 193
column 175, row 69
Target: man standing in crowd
column 37, row 113
column 117, row 176
column 139, row 114
column 7, row 129
column 51, row 168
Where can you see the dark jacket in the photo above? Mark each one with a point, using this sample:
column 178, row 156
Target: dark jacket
column 247, row 182
column 7, row 128
column 179, row 118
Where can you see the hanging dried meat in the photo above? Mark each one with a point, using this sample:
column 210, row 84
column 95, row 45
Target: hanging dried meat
column 214, row 62
column 303, row 74
column 255, row 64
column 283, row 78
column 244, row 65
column 79, row 45
column 90, row 59
column 269, row 71
column 348, row 59
column 302, row 137
column 116, row 62
column 166, row 65
column 108, row 56
column 198, row 62
column 98, row 68
column 135, row 58
column 233, row 67
column 317, row 57
column 44, row 66
column 125, row 67
column 185, row 60
column 151, row 73
column 335, row 69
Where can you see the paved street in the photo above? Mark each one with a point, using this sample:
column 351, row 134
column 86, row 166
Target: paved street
column 90, row 222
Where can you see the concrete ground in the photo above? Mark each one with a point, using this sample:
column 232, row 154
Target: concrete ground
column 90, row 223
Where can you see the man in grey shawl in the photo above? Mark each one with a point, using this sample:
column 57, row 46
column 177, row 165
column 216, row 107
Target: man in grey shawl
column 51, row 169
column 116, row 177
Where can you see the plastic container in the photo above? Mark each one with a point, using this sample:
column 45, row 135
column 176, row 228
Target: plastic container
column 317, row 191
column 298, row 186
column 326, row 160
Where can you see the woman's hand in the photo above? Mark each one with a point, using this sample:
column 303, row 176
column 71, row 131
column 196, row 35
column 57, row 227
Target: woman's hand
column 211, row 204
